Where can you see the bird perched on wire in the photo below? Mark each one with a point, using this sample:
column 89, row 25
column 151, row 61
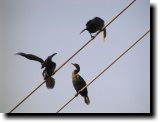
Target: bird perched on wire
column 79, row 83
column 94, row 25
column 48, row 64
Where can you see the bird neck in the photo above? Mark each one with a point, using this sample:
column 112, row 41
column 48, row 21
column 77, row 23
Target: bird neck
column 77, row 70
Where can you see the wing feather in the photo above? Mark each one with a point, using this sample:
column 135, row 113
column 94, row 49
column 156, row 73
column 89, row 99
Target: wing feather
column 31, row 57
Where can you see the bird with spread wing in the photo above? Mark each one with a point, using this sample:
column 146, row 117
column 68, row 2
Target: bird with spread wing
column 48, row 64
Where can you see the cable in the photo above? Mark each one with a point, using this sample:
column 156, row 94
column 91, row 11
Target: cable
column 104, row 70
column 74, row 54
column 27, row 97
column 95, row 35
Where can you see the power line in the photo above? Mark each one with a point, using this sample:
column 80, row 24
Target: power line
column 104, row 70
column 95, row 35
column 74, row 54
column 26, row 97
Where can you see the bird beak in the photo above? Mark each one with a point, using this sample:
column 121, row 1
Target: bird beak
column 19, row 53
column 82, row 30
column 16, row 54
column 73, row 64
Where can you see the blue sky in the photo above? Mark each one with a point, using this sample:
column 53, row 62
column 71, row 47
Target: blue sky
column 43, row 27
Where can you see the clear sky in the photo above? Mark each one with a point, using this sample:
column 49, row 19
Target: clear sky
column 43, row 27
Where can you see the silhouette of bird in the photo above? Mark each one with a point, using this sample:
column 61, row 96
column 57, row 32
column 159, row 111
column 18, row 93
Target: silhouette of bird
column 47, row 64
column 79, row 83
column 50, row 82
column 94, row 25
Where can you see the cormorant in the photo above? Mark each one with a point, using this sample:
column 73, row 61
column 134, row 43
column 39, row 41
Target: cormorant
column 47, row 64
column 79, row 83
column 95, row 25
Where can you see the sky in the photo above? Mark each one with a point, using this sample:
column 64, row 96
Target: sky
column 43, row 27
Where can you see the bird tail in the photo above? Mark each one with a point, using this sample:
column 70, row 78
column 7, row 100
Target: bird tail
column 82, row 30
column 104, row 33
column 50, row 82
column 86, row 99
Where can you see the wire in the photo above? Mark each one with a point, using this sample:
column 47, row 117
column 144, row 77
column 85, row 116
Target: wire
column 27, row 97
column 74, row 54
column 95, row 35
column 131, row 46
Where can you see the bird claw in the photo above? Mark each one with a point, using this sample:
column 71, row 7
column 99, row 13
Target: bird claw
column 92, row 36
column 77, row 93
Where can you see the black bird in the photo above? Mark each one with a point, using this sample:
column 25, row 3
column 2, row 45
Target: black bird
column 50, row 82
column 47, row 64
column 95, row 25
column 79, row 83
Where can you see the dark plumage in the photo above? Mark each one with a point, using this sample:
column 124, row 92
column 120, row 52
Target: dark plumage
column 95, row 25
column 31, row 57
column 47, row 64
column 50, row 82
column 79, row 83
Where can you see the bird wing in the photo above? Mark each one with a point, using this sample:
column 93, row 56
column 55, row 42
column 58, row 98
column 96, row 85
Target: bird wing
column 81, row 81
column 31, row 57
column 81, row 85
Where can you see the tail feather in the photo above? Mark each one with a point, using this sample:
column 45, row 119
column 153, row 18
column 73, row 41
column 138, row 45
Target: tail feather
column 104, row 34
column 50, row 82
column 86, row 99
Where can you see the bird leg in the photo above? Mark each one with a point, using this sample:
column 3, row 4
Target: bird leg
column 91, row 35
column 77, row 93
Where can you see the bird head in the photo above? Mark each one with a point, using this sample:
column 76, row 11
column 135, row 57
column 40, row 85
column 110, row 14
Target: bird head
column 49, row 58
column 76, row 65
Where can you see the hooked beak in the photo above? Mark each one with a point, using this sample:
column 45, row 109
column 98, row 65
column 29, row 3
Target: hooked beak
column 73, row 64
column 83, row 30
column 17, row 54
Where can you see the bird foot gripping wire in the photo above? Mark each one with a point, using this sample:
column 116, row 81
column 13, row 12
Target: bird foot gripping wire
column 92, row 36
column 77, row 93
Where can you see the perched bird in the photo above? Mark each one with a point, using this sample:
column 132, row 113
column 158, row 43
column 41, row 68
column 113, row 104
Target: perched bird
column 94, row 25
column 47, row 64
column 79, row 83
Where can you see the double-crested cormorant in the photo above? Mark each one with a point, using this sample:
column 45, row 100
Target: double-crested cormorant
column 95, row 25
column 79, row 83
column 47, row 64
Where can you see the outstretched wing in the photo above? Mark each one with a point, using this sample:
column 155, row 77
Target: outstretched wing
column 31, row 57
column 82, row 83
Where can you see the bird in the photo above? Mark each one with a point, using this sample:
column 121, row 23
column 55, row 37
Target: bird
column 79, row 83
column 50, row 82
column 48, row 64
column 94, row 25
